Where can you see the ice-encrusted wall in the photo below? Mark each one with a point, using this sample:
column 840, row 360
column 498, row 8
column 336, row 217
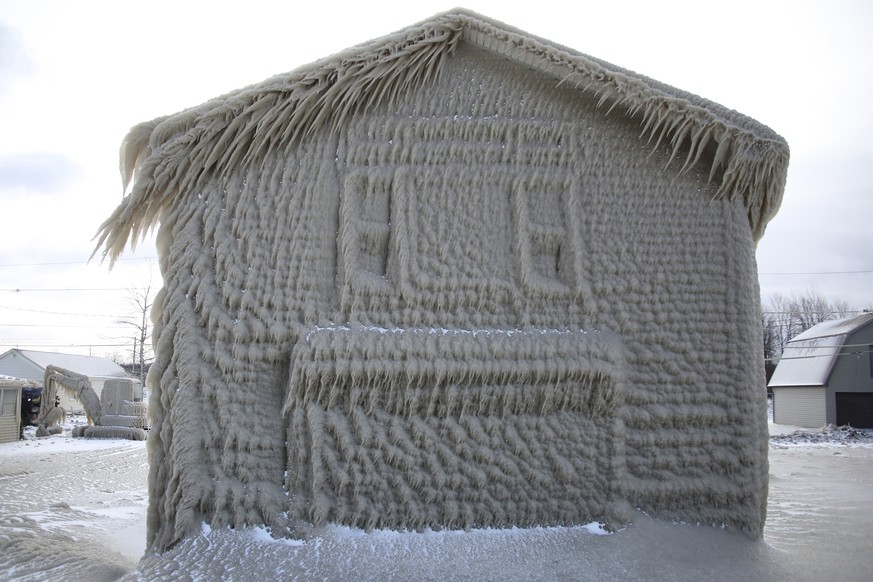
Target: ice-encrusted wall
column 482, row 301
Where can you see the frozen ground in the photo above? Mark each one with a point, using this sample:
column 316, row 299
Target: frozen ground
column 73, row 509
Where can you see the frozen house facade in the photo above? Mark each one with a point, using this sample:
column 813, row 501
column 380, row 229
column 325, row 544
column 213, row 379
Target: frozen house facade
column 455, row 277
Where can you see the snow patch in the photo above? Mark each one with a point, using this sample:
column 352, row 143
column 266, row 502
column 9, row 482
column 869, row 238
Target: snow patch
column 262, row 535
column 829, row 435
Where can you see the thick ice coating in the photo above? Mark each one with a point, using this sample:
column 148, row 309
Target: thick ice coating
column 455, row 277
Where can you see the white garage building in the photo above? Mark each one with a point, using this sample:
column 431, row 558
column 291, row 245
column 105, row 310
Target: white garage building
column 825, row 375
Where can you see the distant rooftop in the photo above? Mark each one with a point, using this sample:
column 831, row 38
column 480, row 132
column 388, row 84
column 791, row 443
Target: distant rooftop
column 808, row 358
column 835, row 327
column 93, row 366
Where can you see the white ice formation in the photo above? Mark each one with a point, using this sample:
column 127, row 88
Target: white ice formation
column 455, row 277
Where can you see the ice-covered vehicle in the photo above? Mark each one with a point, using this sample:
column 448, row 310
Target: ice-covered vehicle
column 119, row 411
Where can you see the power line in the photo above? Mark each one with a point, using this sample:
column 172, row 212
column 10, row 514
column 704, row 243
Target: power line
column 824, row 311
column 19, row 345
column 833, row 347
column 66, row 290
column 857, row 353
column 817, row 273
column 73, row 262
column 52, row 325
column 57, row 312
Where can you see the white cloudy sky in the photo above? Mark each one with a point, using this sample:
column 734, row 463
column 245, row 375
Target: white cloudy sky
column 75, row 76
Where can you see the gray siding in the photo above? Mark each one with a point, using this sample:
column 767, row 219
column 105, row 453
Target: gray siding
column 852, row 371
column 799, row 406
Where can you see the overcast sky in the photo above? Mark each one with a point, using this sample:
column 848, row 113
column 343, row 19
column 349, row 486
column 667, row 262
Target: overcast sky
column 75, row 76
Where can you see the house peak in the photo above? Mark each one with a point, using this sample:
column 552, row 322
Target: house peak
column 746, row 159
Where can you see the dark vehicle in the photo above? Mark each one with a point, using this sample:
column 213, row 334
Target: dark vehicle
column 31, row 399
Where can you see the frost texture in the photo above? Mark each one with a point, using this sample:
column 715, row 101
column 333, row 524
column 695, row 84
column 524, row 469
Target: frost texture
column 454, row 277
column 100, row 425
column 77, row 386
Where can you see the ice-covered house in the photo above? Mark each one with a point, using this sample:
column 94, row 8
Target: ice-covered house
column 825, row 375
column 457, row 276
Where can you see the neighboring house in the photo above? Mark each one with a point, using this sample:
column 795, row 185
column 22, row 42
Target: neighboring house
column 459, row 276
column 31, row 364
column 825, row 375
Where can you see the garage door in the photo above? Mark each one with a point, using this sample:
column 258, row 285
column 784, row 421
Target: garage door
column 855, row 408
column 799, row 406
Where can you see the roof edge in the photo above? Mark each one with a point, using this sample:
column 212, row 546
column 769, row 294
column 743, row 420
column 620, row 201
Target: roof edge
column 835, row 328
column 753, row 158
column 21, row 353
column 173, row 154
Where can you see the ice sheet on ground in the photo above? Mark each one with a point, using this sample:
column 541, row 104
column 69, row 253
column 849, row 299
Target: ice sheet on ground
column 75, row 509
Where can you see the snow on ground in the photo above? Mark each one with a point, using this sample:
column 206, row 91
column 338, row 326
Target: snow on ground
column 827, row 436
column 74, row 509
column 71, row 509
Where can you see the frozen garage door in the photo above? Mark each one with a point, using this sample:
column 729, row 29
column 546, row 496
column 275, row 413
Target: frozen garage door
column 855, row 409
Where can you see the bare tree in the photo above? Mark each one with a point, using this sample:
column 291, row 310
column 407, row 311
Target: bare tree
column 786, row 317
column 778, row 327
column 141, row 299
column 811, row 308
column 772, row 343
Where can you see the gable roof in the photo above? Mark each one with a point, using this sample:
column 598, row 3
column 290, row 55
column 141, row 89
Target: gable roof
column 92, row 366
column 809, row 358
column 176, row 153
